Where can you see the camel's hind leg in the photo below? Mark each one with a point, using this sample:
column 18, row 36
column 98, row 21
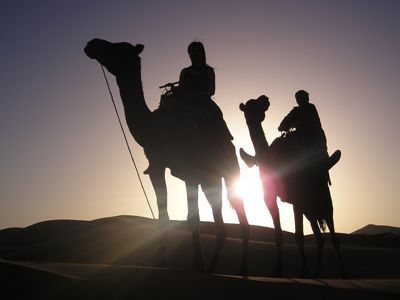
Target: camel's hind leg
column 299, row 235
column 213, row 192
column 237, row 203
column 336, row 246
column 157, row 177
column 320, row 246
column 194, row 223
column 270, row 198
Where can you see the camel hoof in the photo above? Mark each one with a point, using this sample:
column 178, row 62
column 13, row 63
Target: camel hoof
column 305, row 273
column 344, row 274
column 160, row 263
column 198, row 265
column 210, row 269
column 277, row 272
column 243, row 271
column 317, row 273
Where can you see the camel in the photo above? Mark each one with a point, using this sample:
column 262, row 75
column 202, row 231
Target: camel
column 170, row 142
column 285, row 175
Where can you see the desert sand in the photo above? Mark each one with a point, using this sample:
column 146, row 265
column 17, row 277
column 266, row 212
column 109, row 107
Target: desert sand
column 112, row 258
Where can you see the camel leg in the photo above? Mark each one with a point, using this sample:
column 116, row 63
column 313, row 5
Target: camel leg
column 320, row 246
column 270, row 198
column 237, row 203
column 336, row 246
column 194, row 224
column 299, row 235
column 213, row 192
column 157, row 177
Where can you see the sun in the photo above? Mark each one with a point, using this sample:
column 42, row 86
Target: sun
column 250, row 189
column 249, row 183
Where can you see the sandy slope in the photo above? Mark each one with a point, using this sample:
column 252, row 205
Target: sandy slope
column 129, row 240
column 111, row 258
column 82, row 281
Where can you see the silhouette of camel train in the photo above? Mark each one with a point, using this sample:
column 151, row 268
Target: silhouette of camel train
column 192, row 140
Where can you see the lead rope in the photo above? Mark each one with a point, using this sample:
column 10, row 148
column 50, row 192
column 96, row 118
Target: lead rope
column 126, row 140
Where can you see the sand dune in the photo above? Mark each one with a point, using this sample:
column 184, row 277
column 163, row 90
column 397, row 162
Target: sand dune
column 373, row 229
column 101, row 256
column 130, row 240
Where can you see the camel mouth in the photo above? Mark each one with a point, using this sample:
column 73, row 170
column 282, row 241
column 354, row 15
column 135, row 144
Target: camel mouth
column 97, row 48
column 94, row 46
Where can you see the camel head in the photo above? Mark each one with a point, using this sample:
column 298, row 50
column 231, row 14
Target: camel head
column 254, row 109
column 118, row 58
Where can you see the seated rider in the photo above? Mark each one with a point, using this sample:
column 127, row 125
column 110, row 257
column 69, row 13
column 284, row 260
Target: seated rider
column 305, row 120
column 196, row 86
column 206, row 128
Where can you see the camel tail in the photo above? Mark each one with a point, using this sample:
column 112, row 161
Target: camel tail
column 322, row 224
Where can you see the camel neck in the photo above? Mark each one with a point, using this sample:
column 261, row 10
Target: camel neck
column 258, row 137
column 131, row 90
column 137, row 113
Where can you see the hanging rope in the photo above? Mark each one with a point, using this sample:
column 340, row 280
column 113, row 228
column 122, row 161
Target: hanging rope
column 126, row 141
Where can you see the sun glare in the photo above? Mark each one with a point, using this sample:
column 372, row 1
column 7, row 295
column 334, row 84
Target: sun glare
column 249, row 183
column 249, row 188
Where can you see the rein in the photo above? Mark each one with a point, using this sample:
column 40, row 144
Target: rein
column 126, row 140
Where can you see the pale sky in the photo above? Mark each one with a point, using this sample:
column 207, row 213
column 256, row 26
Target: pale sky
column 63, row 155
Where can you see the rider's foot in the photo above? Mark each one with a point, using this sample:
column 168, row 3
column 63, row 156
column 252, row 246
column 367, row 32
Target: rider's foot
column 247, row 158
column 334, row 158
column 147, row 171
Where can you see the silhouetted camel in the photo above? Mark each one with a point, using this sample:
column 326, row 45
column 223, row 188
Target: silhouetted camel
column 168, row 141
column 284, row 173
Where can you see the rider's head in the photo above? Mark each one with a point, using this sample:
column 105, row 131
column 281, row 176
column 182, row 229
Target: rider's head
column 197, row 53
column 301, row 97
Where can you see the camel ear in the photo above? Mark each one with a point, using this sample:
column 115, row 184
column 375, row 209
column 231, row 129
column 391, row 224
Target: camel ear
column 139, row 48
column 264, row 101
column 241, row 106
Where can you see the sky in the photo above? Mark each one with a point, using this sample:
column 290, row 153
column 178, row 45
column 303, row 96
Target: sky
column 62, row 152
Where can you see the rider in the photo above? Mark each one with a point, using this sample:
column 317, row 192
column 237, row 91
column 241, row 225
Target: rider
column 196, row 86
column 305, row 120
column 207, row 129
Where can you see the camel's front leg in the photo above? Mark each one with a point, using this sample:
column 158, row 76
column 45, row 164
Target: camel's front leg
column 157, row 177
column 336, row 246
column 194, row 223
column 213, row 192
column 320, row 246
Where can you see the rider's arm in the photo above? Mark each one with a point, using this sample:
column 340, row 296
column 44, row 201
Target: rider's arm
column 309, row 118
column 289, row 121
column 183, row 84
column 210, row 82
